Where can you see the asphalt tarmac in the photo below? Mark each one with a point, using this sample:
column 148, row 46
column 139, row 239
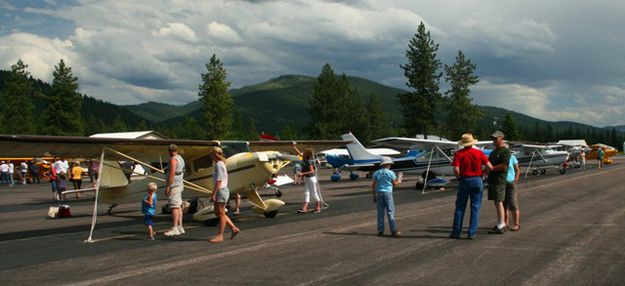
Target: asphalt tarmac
column 572, row 234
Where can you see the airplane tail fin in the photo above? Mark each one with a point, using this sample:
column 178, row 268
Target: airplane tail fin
column 356, row 150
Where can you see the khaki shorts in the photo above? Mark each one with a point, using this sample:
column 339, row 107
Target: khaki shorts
column 175, row 197
column 223, row 195
column 497, row 192
column 512, row 198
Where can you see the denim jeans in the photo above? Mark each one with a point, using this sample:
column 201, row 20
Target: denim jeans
column 5, row 178
column 468, row 187
column 386, row 206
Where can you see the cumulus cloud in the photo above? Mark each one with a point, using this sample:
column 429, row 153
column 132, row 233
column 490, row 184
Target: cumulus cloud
column 533, row 56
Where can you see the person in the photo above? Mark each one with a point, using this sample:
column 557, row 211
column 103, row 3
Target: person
column 11, row 173
column 34, row 172
column 220, row 196
column 511, row 203
column 61, row 185
column 582, row 159
column 23, row 172
column 148, row 208
column 310, row 181
column 174, row 188
column 469, row 164
column 54, row 184
column 297, row 169
column 382, row 187
column 94, row 169
column 500, row 159
column 76, row 175
column 600, row 154
column 4, row 170
column 237, row 203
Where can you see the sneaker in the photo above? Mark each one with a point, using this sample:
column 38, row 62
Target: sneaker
column 381, row 233
column 181, row 230
column 151, row 238
column 172, row 232
column 397, row 234
column 471, row 237
column 316, row 211
column 454, row 236
column 497, row 231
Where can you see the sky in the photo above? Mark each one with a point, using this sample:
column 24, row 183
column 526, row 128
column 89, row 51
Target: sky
column 555, row 60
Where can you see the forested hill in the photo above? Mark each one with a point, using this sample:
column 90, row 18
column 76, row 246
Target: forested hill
column 98, row 116
column 282, row 101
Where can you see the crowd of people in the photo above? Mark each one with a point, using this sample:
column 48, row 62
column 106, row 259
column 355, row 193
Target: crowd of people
column 24, row 170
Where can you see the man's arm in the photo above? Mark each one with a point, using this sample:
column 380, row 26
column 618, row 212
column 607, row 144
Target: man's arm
column 173, row 164
column 457, row 172
column 373, row 183
column 517, row 172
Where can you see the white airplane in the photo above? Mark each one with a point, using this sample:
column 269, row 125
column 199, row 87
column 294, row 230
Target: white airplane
column 535, row 157
column 247, row 170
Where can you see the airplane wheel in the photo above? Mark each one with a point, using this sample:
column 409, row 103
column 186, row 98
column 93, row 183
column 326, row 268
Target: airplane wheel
column 278, row 194
column 535, row 172
column 543, row 171
column 110, row 210
column 562, row 171
column 353, row 177
column 271, row 214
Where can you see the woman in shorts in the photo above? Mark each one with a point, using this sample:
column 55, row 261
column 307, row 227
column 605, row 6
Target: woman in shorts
column 221, row 194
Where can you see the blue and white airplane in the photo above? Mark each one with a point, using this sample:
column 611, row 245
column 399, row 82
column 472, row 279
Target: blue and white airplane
column 363, row 160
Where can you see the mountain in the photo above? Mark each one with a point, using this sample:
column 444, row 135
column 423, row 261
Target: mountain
column 159, row 112
column 283, row 100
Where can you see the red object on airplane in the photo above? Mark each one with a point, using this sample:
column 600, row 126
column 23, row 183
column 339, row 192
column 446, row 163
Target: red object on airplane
column 268, row 137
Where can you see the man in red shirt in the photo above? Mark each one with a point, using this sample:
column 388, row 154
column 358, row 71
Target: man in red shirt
column 468, row 167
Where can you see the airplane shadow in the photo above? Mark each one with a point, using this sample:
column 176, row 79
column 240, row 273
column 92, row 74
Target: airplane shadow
column 353, row 233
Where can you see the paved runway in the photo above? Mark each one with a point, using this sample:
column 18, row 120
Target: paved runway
column 572, row 234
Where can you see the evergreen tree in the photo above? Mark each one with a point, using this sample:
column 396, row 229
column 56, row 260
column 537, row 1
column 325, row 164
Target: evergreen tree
column 462, row 115
column 189, row 129
column 356, row 118
column 422, row 73
column 330, row 105
column 548, row 133
column 379, row 124
column 216, row 102
column 62, row 115
column 119, row 125
column 510, row 128
column 17, row 107
column 288, row 133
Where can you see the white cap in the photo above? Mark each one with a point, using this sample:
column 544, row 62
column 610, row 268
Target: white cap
column 386, row 161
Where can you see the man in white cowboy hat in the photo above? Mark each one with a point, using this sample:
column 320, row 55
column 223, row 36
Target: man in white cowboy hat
column 382, row 186
column 468, row 166
column 500, row 159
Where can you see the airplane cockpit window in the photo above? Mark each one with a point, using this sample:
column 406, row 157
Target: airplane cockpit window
column 234, row 147
column 202, row 163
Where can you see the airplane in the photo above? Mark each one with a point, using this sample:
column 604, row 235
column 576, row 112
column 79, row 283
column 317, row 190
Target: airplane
column 248, row 171
column 608, row 151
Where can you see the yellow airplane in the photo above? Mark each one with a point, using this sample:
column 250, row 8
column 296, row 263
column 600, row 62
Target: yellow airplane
column 608, row 151
column 249, row 165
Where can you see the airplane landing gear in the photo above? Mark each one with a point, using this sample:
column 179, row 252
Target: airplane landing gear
column 278, row 193
column 534, row 172
column 271, row 214
column 562, row 171
column 543, row 171
column 108, row 212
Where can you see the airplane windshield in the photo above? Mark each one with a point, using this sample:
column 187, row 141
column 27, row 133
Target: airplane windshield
column 234, row 147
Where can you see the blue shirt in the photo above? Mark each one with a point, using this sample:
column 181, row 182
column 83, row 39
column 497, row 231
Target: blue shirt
column 511, row 170
column 147, row 209
column 384, row 180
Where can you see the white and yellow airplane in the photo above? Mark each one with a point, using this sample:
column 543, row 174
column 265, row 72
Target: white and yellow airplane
column 249, row 165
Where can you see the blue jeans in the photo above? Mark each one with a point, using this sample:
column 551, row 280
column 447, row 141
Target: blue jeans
column 55, row 186
column 384, row 201
column 469, row 187
column 5, row 178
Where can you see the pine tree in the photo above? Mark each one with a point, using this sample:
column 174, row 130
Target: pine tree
column 510, row 128
column 17, row 107
column 190, row 129
column 119, row 125
column 288, row 133
column 422, row 73
column 356, row 118
column 462, row 115
column 331, row 105
column 216, row 102
column 62, row 115
column 379, row 123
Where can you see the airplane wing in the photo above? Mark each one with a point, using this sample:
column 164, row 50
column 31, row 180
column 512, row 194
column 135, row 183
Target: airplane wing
column 88, row 147
column 405, row 143
column 287, row 146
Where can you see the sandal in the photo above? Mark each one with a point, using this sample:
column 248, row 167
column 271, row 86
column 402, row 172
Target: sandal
column 301, row 211
column 516, row 227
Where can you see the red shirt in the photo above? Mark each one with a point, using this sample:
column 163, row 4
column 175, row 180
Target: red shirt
column 470, row 160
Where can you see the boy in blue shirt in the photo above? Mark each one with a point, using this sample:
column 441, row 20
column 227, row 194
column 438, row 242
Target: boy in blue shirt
column 382, row 186
column 148, row 208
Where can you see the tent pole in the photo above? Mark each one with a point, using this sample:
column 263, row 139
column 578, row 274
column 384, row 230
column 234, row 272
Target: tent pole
column 427, row 172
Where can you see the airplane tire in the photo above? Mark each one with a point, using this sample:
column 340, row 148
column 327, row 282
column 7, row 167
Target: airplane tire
column 543, row 171
column 535, row 172
column 271, row 214
column 278, row 194
column 353, row 177
column 562, row 171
